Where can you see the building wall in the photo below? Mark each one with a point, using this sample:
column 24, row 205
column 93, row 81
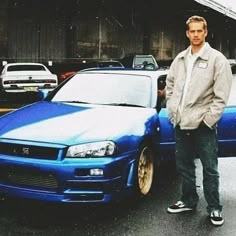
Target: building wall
column 55, row 30
column 3, row 29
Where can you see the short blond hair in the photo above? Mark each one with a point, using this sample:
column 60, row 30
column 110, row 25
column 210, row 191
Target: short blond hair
column 196, row 19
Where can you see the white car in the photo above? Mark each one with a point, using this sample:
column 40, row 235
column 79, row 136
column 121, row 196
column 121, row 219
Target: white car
column 27, row 77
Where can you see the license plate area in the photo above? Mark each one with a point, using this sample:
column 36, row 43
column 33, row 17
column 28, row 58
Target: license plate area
column 31, row 89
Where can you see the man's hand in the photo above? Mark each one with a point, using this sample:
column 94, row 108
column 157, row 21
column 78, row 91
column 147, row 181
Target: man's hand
column 161, row 93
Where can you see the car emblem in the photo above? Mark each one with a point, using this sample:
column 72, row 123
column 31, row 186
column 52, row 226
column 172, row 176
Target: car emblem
column 25, row 151
column 30, row 77
column 14, row 151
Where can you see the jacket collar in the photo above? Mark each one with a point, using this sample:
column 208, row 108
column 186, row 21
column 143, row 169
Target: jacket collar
column 204, row 55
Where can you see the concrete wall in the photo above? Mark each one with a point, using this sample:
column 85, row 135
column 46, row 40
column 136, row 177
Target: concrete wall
column 108, row 29
column 3, row 29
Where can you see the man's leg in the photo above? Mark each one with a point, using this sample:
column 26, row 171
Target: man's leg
column 206, row 147
column 186, row 167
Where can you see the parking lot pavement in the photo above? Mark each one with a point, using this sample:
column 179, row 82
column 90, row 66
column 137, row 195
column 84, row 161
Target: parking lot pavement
column 13, row 103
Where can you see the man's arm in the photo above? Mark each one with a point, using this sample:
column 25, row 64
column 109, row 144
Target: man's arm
column 169, row 82
column 221, row 89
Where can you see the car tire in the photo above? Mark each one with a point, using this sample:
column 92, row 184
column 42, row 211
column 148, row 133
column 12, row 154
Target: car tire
column 145, row 170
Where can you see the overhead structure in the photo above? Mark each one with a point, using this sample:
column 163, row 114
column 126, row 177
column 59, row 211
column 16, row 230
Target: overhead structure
column 227, row 11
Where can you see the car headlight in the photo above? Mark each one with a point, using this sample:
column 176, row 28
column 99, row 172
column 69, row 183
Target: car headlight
column 97, row 149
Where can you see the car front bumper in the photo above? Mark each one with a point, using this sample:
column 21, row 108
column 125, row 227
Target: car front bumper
column 68, row 181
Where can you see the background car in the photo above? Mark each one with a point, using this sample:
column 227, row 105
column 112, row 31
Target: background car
column 139, row 61
column 72, row 69
column 27, row 77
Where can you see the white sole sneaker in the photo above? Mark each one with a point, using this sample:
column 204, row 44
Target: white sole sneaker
column 179, row 210
column 216, row 218
column 179, row 207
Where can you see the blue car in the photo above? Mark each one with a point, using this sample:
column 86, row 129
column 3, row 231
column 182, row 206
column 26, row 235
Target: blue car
column 98, row 137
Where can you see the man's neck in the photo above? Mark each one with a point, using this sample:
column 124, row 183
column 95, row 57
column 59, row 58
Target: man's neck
column 195, row 49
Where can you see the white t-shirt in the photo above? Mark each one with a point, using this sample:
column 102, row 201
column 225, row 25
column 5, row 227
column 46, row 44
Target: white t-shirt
column 191, row 59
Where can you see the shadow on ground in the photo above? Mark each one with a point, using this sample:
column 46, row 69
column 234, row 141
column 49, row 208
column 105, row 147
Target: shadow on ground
column 28, row 215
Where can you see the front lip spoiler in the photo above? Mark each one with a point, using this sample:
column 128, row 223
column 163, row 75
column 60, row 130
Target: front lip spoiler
column 83, row 197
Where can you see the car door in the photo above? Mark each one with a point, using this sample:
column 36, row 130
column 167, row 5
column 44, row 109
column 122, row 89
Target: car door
column 166, row 137
column 166, row 130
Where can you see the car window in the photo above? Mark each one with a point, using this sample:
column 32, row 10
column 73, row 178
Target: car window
column 141, row 60
column 25, row 68
column 127, row 61
column 161, row 82
column 107, row 89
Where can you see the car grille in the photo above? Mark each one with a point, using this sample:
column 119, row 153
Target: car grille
column 29, row 151
column 28, row 177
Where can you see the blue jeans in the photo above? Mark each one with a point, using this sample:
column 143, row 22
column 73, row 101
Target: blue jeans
column 198, row 143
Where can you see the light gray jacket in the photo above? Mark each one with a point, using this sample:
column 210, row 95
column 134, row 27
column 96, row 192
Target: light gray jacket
column 208, row 89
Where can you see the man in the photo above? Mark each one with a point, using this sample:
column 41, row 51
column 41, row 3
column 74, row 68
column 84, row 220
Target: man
column 197, row 89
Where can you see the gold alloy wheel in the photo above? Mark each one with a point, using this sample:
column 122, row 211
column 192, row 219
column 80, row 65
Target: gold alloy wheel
column 6, row 109
column 145, row 170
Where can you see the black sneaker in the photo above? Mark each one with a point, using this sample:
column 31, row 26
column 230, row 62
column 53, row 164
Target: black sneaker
column 179, row 207
column 216, row 218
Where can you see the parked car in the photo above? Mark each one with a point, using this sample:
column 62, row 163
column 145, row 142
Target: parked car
column 65, row 75
column 139, row 61
column 92, row 64
column 27, row 77
column 88, row 142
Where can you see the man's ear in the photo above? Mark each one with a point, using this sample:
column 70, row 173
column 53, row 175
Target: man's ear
column 187, row 33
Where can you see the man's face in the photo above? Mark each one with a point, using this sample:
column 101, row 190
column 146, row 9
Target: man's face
column 196, row 33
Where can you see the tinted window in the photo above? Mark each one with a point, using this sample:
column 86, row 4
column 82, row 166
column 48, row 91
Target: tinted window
column 25, row 68
column 161, row 82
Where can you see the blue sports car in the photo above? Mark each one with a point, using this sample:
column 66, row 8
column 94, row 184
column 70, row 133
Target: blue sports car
column 98, row 137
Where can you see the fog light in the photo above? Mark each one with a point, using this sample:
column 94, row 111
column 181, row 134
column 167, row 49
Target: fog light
column 97, row 172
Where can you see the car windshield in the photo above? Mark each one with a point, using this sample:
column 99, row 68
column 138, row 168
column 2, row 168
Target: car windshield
column 110, row 89
column 25, row 68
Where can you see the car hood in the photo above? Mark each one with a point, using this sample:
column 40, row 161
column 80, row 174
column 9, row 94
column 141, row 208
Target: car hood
column 72, row 123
